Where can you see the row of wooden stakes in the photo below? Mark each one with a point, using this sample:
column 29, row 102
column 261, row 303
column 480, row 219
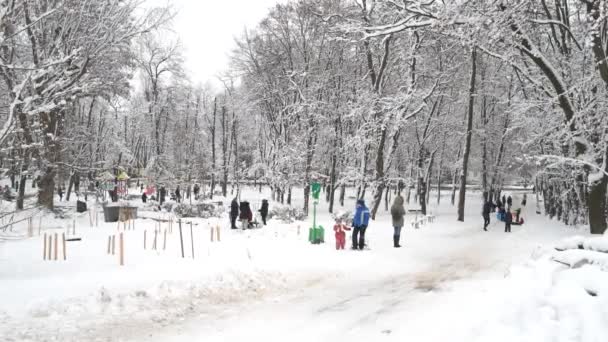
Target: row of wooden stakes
column 121, row 247
column 50, row 250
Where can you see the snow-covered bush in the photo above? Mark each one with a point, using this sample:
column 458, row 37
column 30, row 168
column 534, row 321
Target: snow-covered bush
column 201, row 209
column 185, row 210
column 286, row 213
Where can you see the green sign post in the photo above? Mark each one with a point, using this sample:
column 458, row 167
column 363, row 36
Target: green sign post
column 316, row 234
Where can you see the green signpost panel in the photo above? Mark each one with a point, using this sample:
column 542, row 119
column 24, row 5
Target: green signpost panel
column 316, row 190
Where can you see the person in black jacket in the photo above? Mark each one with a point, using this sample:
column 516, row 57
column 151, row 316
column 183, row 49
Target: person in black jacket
column 508, row 220
column 264, row 210
column 487, row 206
column 234, row 213
column 509, row 201
column 144, row 197
column 163, row 194
column 178, row 195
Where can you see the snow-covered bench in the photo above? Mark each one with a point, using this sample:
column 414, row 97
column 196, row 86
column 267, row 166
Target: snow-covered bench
column 578, row 251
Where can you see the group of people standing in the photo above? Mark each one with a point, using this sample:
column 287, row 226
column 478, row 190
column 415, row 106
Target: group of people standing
column 361, row 222
column 243, row 212
column 504, row 210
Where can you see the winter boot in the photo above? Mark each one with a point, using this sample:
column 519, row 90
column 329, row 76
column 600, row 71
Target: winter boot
column 396, row 241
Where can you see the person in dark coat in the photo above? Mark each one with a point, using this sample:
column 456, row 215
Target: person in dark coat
column 485, row 212
column 504, row 200
column 60, row 192
column 524, row 200
column 264, row 210
column 178, row 195
column 163, row 194
column 196, row 190
column 397, row 213
column 144, row 197
column 509, row 201
column 234, row 213
column 246, row 216
column 508, row 220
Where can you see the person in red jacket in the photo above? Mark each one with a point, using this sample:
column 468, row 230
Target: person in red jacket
column 340, row 229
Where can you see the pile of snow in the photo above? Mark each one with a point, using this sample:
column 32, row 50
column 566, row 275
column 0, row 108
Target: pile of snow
column 543, row 300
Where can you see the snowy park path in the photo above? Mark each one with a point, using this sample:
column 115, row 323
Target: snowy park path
column 439, row 276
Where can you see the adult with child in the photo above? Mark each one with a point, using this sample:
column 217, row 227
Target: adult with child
column 360, row 222
column 397, row 213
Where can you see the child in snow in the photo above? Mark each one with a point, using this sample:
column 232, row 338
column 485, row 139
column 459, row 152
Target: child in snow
column 340, row 229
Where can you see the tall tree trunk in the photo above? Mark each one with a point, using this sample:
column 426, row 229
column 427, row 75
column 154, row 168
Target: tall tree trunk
column 70, row 186
column 469, row 133
column 213, row 157
column 332, row 185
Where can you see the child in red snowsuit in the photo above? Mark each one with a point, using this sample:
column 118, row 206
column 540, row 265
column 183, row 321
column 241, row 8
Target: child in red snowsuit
column 340, row 229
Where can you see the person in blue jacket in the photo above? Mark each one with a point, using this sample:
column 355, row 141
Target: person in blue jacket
column 360, row 222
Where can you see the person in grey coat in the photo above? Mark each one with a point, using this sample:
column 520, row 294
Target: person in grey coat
column 397, row 213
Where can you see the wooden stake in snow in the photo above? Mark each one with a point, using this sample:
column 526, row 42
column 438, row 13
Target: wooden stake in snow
column 192, row 239
column 30, row 229
column 121, row 248
column 50, row 246
column 74, row 227
column 64, row 253
column 113, row 244
column 56, row 244
column 211, row 231
column 181, row 239
column 44, row 248
column 218, row 233
column 154, row 242
column 109, row 243
column 165, row 240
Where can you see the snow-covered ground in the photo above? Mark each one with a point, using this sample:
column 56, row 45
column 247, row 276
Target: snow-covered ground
column 450, row 282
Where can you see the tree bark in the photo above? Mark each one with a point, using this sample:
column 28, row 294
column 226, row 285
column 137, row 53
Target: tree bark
column 469, row 133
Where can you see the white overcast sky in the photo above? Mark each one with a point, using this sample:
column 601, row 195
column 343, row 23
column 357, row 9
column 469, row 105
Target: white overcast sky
column 206, row 29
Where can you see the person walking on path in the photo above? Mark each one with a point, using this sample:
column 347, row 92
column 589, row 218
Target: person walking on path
column 234, row 213
column 508, row 220
column 509, row 201
column 487, row 207
column 524, row 200
column 144, row 197
column 339, row 229
column 360, row 222
column 397, row 213
column 264, row 210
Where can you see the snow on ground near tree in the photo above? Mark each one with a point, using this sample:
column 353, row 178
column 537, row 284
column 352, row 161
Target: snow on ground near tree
column 450, row 281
